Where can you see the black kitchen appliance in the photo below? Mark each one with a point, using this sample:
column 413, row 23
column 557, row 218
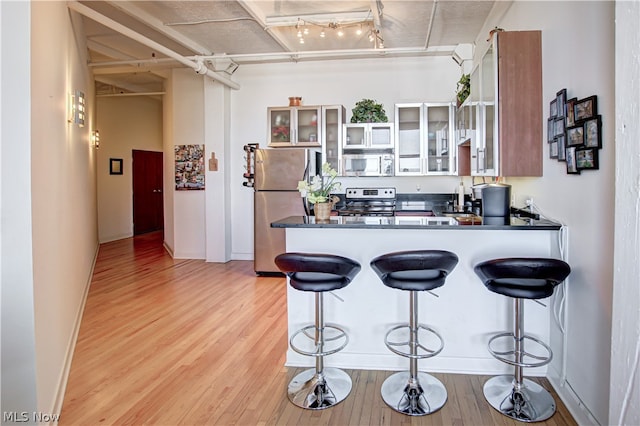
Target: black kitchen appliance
column 368, row 202
column 496, row 200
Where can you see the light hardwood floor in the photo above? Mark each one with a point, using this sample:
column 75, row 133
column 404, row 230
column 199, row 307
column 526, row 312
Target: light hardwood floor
column 169, row 342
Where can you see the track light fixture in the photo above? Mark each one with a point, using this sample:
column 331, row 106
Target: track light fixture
column 356, row 23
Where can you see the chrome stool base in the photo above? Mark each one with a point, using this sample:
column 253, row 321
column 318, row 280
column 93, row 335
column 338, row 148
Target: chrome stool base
column 423, row 396
column 531, row 403
column 315, row 391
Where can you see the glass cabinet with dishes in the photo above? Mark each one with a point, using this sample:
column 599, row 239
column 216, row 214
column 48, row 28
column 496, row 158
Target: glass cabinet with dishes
column 333, row 117
column 294, row 126
column 424, row 134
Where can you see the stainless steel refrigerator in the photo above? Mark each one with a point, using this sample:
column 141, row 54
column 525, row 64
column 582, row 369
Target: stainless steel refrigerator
column 277, row 172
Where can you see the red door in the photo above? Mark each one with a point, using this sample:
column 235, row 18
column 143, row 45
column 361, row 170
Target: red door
column 148, row 214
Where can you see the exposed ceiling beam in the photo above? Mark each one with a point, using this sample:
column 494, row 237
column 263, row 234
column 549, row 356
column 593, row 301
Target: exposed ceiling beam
column 197, row 66
column 430, row 26
column 137, row 13
column 261, row 19
column 107, row 51
column 121, row 84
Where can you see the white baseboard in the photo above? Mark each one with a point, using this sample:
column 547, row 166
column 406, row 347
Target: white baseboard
column 110, row 238
column 576, row 407
column 71, row 345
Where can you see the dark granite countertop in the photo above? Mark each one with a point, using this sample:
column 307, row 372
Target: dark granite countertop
column 418, row 222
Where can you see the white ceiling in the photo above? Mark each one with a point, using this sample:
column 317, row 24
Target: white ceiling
column 227, row 33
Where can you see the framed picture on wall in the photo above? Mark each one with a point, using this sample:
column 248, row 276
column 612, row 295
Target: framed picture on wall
column 553, row 149
column 587, row 158
column 558, row 125
column 592, row 132
column 585, row 108
column 570, row 113
column 553, row 108
column 561, row 100
column 562, row 147
column 572, row 166
column 575, row 135
column 115, row 166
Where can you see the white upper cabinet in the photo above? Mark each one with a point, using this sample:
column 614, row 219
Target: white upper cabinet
column 333, row 117
column 368, row 136
column 424, row 137
column 294, row 126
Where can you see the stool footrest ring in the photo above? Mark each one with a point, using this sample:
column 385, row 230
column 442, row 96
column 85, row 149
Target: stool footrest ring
column 317, row 352
column 503, row 355
column 428, row 352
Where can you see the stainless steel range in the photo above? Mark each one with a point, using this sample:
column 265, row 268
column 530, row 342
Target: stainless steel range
column 369, row 202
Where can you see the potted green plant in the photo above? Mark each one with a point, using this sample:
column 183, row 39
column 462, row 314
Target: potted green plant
column 463, row 89
column 368, row 111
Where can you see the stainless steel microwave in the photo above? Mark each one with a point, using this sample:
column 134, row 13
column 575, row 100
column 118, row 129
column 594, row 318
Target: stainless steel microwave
column 367, row 164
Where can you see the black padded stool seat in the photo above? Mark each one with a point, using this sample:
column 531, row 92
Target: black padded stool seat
column 317, row 271
column 418, row 270
column 412, row 392
column 521, row 278
column 318, row 388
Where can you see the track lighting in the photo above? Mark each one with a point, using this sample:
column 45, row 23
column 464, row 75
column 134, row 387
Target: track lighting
column 340, row 22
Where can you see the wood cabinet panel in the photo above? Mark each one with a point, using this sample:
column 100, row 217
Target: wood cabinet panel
column 520, row 103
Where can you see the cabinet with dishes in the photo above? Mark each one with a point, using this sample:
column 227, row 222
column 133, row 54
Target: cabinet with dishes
column 424, row 136
column 294, row 126
column 498, row 128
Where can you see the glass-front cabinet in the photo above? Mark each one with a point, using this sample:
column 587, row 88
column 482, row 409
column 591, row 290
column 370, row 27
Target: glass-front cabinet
column 368, row 136
column 409, row 139
column 424, row 134
column 294, row 126
column 487, row 143
column 332, row 120
column 439, row 135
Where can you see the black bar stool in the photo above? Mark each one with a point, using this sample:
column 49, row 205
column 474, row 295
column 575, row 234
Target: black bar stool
column 412, row 392
column 319, row 387
column 521, row 278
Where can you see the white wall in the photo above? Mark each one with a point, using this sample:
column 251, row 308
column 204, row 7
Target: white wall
column 188, row 209
column 63, row 192
column 345, row 82
column 624, row 396
column 18, row 370
column 584, row 202
column 125, row 124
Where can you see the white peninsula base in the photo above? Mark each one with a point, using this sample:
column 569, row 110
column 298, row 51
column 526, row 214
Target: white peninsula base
column 466, row 314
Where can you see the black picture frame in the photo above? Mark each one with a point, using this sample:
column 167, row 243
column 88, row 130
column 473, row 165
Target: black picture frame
column 593, row 132
column 587, row 159
column 570, row 112
column 572, row 167
column 585, row 108
column 553, row 108
column 561, row 100
column 562, row 147
column 553, row 149
column 551, row 130
column 115, row 166
column 558, row 126
column 575, row 136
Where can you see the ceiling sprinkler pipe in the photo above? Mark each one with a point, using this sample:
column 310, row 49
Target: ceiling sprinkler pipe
column 199, row 68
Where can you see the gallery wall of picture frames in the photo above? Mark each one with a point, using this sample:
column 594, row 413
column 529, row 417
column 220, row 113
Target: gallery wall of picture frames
column 574, row 132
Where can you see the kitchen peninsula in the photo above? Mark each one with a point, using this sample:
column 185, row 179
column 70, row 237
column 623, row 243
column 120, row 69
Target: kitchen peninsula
column 465, row 312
